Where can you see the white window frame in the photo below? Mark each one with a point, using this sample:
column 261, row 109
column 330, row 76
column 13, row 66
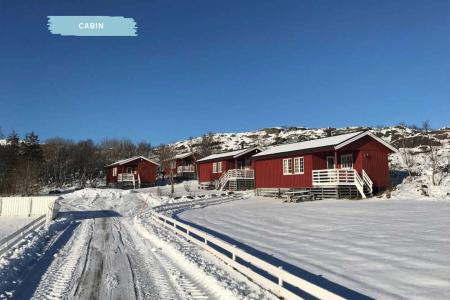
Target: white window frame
column 299, row 165
column 114, row 171
column 214, row 167
column 287, row 166
column 219, row 167
column 346, row 157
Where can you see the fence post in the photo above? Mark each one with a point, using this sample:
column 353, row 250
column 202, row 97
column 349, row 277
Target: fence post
column 280, row 280
column 233, row 253
column 30, row 205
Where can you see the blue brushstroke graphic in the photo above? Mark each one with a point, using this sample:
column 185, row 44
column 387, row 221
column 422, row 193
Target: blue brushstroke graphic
column 92, row 26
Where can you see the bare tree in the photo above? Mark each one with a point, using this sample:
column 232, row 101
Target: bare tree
column 432, row 151
column 192, row 147
column 166, row 155
column 207, row 145
column 406, row 149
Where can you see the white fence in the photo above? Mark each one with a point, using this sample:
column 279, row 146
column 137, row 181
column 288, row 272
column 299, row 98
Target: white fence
column 46, row 207
column 237, row 256
column 11, row 240
column 26, row 206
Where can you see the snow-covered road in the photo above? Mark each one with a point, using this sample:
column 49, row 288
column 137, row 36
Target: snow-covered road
column 102, row 251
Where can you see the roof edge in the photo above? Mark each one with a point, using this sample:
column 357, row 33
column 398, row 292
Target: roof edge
column 363, row 134
column 124, row 161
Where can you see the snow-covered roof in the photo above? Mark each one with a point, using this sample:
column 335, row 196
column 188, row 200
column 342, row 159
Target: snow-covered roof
column 124, row 161
column 179, row 156
column 183, row 155
column 337, row 141
column 233, row 154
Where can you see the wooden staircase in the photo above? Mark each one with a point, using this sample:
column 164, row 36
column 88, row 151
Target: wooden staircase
column 236, row 180
column 341, row 183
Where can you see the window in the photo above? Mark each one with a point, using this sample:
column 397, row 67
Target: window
column 214, row 167
column 173, row 164
column 219, row 167
column 330, row 162
column 129, row 170
column 287, row 166
column 347, row 161
column 115, row 171
column 299, row 167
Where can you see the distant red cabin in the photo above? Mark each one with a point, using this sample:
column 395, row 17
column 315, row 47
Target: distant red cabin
column 356, row 160
column 132, row 172
column 218, row 169
column 182, row 166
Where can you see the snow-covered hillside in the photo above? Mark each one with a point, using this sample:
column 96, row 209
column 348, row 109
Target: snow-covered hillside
column 267, row 137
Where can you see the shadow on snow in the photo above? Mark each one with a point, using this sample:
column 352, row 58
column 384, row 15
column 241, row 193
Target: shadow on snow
column 88, row 214
column 302, row 273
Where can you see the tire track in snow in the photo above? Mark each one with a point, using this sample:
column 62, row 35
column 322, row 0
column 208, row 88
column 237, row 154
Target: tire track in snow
column 57, row 281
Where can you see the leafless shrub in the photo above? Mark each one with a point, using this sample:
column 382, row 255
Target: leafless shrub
column 158, row 192
column 187, row 187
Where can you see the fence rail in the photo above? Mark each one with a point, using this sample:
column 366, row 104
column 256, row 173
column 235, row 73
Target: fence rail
column 237, row 256
column 11, row 240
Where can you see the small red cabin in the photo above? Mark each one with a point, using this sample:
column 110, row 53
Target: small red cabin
column 232, row 170
column 355, row 162
column 133, row 172
column 182, row 166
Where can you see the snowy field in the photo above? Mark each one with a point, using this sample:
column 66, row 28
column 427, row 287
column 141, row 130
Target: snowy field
column 381, row 248
column 9, row 224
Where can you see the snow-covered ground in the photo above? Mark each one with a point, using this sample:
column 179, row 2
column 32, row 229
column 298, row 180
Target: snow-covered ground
column 381, row 248
column 103, row 247
column 9, row 224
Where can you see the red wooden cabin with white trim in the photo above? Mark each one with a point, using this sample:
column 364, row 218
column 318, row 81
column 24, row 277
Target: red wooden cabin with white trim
column 230, row 170
column 133, row 172
column 182, row 166
column 342, row 165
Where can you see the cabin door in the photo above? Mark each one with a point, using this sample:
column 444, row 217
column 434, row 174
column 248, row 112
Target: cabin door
column 331, row 164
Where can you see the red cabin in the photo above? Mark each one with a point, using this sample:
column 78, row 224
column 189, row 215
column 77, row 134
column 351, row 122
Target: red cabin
column 182, row 166
column 340, row 166
column 132, row 172
column 232, row 170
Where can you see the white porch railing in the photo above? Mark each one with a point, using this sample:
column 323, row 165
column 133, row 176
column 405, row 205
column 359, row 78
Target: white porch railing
column 129, row 177
column 234, row 174
column 334, row 177
column 367, row 181
column 125, row 177
column 185, row 169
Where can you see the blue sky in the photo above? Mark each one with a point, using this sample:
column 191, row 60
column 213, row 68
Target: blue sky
column 200, row 66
